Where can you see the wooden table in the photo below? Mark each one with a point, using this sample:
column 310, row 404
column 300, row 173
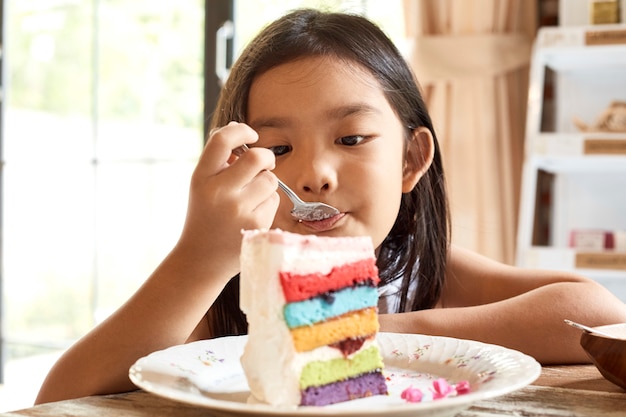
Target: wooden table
column 571, row 391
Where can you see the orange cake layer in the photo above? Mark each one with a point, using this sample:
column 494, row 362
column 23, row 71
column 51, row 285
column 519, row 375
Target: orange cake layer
column 350, row 325
column 297, row 287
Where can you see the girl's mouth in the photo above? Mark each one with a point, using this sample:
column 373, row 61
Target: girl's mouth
column 322, row 225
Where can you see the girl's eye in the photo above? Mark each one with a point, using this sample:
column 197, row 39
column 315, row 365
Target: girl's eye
column 280, row 150
column 351, row 140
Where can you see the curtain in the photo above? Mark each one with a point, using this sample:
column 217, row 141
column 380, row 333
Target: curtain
column 472, row 58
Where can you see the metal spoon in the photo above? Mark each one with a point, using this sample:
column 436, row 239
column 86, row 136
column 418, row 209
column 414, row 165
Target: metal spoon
column 301, row 210
column 588, row 329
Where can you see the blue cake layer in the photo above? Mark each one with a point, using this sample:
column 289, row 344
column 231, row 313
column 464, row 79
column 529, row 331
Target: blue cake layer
column 321, row 308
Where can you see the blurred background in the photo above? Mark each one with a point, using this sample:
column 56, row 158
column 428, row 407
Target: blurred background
column 104, row 111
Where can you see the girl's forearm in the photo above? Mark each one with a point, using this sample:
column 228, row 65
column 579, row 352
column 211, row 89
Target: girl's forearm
column 162, row 313
column 531, row 322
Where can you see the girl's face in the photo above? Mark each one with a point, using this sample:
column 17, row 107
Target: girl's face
column 336, row 140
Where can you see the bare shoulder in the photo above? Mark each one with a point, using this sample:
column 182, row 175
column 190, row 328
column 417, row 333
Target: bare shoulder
column 473, row 279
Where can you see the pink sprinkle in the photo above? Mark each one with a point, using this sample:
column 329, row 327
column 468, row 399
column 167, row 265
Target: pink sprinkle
column 441, row 389
column 462, row 387
column 412, row 395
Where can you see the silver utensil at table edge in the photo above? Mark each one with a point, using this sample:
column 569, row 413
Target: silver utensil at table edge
column 588, row 329
column 302, row 210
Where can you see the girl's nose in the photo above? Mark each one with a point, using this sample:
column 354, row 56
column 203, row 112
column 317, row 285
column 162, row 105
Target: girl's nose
column 316, row 175
column 312, row 189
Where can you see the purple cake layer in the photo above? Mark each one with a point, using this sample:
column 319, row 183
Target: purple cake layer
column 365, row 385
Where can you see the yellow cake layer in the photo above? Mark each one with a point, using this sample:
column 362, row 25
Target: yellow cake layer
column 353, row 324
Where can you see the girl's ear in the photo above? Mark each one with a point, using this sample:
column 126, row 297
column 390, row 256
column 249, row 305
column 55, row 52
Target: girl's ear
column 420, row 152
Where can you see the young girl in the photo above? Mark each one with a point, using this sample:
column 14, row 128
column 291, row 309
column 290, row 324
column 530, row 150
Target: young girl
column 328, row 105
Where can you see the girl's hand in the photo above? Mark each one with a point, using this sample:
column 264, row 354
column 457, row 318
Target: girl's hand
column 228, row 194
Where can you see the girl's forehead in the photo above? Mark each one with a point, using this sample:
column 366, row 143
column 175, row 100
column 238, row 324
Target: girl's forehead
column 315, row 69
column 316, row 80
column 314, row 88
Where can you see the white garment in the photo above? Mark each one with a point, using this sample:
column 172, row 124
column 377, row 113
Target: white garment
column 389, row 297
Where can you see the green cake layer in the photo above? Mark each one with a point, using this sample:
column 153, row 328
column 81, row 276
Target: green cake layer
column 324, row 372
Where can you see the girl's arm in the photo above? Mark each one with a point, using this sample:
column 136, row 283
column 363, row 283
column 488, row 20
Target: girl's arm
column 169, row 308
column 518, row 308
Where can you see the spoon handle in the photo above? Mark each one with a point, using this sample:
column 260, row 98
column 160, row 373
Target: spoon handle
column 587, row 328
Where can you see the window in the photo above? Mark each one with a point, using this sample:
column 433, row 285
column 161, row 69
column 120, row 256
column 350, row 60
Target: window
column 102, row 127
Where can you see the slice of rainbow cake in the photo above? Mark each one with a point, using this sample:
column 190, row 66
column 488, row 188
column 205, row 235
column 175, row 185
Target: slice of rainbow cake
column 311, row 306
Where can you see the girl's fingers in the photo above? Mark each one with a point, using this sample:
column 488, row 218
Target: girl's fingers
column 243, row 169
column 260, row 199
column 217, row 152
column 248, row 189
column 260, row 188
column 240, row 189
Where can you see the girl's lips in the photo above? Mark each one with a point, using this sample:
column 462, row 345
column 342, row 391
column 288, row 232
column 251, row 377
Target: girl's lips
column 323, row 225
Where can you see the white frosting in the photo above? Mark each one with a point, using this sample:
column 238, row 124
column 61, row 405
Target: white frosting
column 315, row 261
column 269, row 353
column 270, row 362
column 325, row 353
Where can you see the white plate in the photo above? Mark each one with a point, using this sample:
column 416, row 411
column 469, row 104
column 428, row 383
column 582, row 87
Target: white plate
column 410, row 360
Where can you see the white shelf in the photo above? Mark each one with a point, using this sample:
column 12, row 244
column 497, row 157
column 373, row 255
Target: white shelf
column 610, row 264
column 573, row 179
column 613, row 165
column 611, row 273
column 582, row 49
column 584, row 79
column 582, row 37
column 578, row 144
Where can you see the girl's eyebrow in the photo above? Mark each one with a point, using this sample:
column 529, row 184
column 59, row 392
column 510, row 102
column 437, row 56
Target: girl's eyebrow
column 271, row 122
column 352, row 109
column 335, row 113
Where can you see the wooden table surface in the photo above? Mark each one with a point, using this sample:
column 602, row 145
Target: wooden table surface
column 560, row 391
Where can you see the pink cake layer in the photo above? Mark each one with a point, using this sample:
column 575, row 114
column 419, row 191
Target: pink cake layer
column 298, row 287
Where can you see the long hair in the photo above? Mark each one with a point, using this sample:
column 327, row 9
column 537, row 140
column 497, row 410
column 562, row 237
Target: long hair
column 417, row 245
